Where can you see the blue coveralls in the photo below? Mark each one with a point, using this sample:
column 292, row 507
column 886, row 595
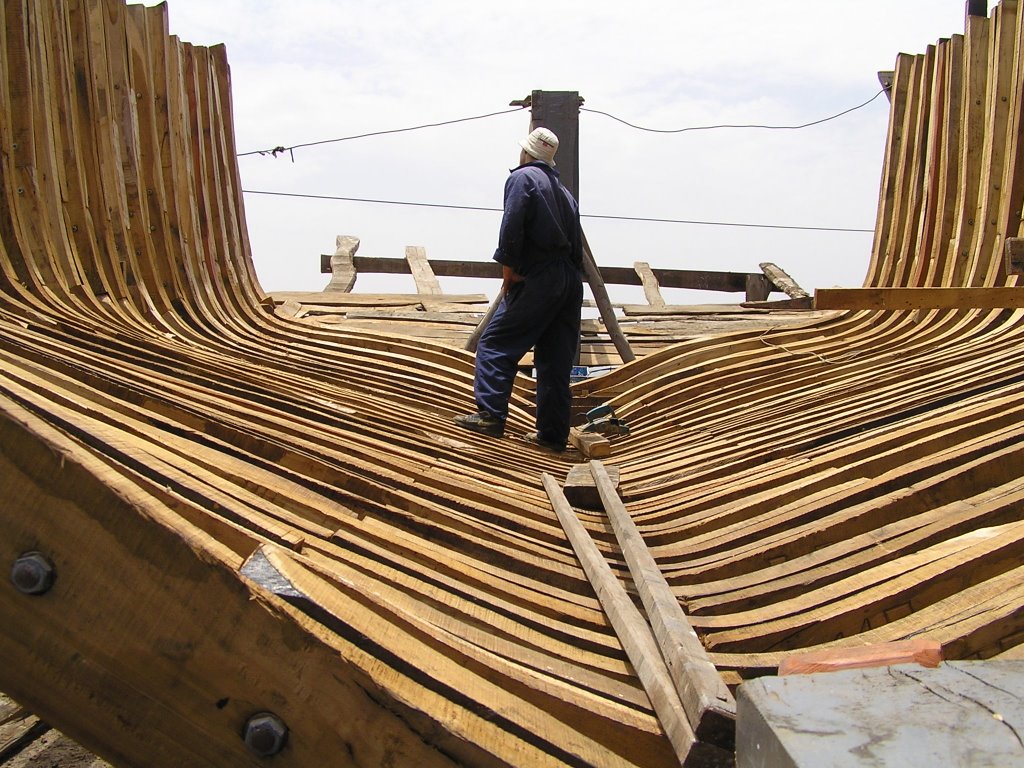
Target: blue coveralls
column 540, row 240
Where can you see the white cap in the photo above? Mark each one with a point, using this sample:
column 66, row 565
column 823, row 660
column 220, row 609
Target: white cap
column 541, row 144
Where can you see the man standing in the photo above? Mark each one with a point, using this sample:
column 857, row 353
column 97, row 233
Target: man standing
column 541, row 255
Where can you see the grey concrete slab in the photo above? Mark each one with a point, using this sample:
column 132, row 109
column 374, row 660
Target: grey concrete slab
column 963, row 713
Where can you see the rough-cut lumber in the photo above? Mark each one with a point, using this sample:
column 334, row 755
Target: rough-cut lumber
column 919, row 298
column 422, row 274
column 709, row 706
column 341, row 267
column 634, row 634
column 782, row 281
column 652, row 291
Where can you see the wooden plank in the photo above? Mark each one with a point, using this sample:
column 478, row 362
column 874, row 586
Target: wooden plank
column 422, row 274
column 918, row 298
column 782, row 281
column 651, row 289
column 710, row 707
column 632, row 631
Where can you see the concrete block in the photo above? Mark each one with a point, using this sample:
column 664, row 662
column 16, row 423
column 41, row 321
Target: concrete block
column 962, row 713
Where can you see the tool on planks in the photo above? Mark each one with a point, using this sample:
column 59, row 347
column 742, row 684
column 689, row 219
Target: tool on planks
column 603, row 420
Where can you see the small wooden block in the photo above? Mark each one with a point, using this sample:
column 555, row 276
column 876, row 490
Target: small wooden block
column 1015, row 256
column 581, row 490
column 927, row 653
column 590, row 444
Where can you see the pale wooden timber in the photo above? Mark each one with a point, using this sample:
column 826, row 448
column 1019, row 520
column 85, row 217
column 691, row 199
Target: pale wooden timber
column 633, row 632
column 710, row 707
column 338, row 299
column 342, row 268
column 919, row 298
column 422, row 274
column 782, row 281
column 652, row 291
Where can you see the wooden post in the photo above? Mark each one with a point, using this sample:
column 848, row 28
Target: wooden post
column 343, row 271
column 758, row 288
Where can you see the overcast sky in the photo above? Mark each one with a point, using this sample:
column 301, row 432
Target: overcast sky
column 313, row 70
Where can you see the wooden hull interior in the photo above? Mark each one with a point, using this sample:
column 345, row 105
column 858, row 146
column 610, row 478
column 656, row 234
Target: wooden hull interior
column 246, row 513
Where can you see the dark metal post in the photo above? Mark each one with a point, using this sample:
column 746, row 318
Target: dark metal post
column 560, row 112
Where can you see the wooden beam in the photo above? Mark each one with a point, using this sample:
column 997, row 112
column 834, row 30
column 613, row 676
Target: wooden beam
column 422, row 274
column 689, row 279
column 650, row 282
column 710, row 708
column 919, row 298
column 781, row 280
column 474, row 338
column 757, row 288
column 794, row 304
column 632, row 632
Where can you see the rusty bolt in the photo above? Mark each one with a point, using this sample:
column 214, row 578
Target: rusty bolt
column 32, row 574
column 265, row 734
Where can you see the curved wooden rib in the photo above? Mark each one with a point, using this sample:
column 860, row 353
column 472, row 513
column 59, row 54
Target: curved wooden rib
column 168, row 442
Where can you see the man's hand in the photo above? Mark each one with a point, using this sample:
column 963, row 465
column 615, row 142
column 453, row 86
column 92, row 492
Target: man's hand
column 508, row 277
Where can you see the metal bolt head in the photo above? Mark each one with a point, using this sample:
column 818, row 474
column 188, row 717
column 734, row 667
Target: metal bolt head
column 265, row 734
column 32, row 574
